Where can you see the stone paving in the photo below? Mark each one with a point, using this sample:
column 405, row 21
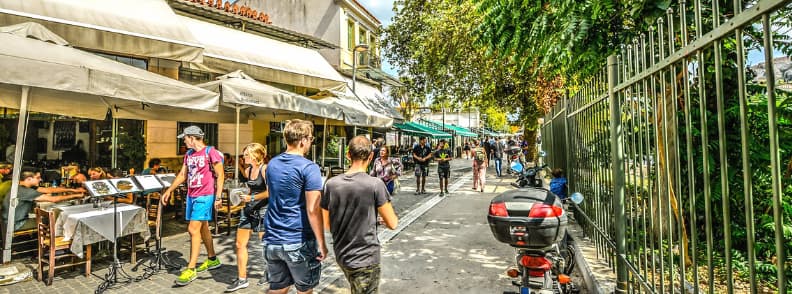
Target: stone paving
column 215, row 281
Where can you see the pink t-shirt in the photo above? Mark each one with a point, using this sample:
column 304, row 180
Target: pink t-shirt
column 200, row 179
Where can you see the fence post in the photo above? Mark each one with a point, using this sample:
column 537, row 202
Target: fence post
column 617, row 167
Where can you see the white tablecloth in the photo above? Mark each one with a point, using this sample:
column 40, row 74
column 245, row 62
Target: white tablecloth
column 84, row 224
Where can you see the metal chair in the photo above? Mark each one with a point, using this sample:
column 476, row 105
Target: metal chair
column 53, row 248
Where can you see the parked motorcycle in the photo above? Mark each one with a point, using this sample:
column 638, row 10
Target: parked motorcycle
column 513, row 156
column 527, row 177
column 533, row 220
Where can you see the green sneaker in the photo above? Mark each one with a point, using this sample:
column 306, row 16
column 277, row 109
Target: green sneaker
column 186, row 277
column 209, row 265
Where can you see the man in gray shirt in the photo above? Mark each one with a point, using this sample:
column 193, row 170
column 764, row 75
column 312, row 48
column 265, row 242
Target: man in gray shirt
column 351, row 203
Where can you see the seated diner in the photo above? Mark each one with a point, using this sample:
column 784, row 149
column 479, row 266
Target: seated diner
column 29, row 193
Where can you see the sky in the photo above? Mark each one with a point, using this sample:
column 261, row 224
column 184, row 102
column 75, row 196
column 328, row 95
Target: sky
column 383, row 10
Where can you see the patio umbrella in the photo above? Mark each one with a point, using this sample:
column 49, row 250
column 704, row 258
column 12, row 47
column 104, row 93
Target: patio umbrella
column 62, row 80
column 250, row 97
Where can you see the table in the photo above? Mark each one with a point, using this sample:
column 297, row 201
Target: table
column 84, row 224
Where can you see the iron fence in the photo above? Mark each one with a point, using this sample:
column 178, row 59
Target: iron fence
column 679, row 147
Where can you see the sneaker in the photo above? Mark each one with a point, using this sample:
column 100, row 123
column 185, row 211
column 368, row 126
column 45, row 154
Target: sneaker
column 237, row 284
column 441, row 194
column 186, row 277
column 417, row 192
column 446, row 191
column 209, row 265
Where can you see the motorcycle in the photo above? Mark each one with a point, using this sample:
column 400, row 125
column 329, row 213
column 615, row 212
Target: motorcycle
column 533, row 221
column 527, row 177
column 513, row 156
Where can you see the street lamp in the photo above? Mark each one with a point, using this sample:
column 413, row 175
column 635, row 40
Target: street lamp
column 358, row 48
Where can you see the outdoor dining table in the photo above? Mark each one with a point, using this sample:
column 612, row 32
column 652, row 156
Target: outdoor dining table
column 85, row 224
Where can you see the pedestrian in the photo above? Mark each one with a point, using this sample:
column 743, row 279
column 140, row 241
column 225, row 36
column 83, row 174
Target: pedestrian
column 443, row 157
column 466, row 149
column 422, row 155
column 203, row 171
column 497, row 156
column 487, row 147
column 294, row 231
column 388, row 169
column 558, row 185
column 480, row 163
column 252, row 217
column 352, row 212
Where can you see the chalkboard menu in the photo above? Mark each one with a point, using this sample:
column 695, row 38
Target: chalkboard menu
column 63, row 135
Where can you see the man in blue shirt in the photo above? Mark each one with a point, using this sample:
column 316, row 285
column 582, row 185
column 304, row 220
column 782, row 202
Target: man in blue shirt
column 294, row 229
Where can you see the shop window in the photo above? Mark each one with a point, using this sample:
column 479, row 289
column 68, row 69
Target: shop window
column 194, row 76
column 209, row 129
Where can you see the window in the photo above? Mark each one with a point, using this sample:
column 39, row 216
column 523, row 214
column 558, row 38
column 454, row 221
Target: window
column 351, row 35
column 362, row 36
column 209, row 129
column 136, row 62
column 194, row 76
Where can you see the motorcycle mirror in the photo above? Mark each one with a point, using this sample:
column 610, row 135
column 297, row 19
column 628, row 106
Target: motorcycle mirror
column 542, row 153
column 577, row 197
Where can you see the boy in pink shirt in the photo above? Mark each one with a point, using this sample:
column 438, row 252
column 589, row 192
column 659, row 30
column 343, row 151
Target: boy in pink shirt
column 203, row 171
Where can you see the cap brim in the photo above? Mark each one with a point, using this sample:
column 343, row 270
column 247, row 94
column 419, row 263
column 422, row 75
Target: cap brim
column 180, row 136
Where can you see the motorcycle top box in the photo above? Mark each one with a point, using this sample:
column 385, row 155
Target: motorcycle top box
column 527, row 218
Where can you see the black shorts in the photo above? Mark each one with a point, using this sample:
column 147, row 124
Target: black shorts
column 443, row 172
column 421, row 170
column 252, row 221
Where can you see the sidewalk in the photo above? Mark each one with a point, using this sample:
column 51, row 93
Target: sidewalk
column 215, row 281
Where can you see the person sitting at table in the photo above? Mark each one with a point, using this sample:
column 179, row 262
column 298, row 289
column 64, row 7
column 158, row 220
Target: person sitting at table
column 97, row 173
column 117, row 173
column 153, row 167
column 29, row 193
column 78, row 179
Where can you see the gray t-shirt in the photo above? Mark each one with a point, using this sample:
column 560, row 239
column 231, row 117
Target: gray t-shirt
column 352, row 200
column 27, row 198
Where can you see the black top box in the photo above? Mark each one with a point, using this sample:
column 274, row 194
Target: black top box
column 527, row 218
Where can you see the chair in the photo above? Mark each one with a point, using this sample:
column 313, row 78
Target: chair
column 154, row 214
column 229, row 213
column 22, row 241
column 52, row 248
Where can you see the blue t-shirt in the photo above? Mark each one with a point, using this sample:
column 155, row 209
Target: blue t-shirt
column 288, row 177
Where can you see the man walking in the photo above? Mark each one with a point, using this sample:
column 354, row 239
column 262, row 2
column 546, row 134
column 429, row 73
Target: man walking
column 352, row 212
column 443, row 157
column 422, row 154
column 203, row 170
column 294, row 230
column 497, row 156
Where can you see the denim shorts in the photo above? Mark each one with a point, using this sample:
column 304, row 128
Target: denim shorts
column 421, row 170
column 293, row 264
column 254, row 221
column 199, row 208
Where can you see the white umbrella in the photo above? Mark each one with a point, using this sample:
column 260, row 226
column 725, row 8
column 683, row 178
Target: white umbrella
column 62, row 80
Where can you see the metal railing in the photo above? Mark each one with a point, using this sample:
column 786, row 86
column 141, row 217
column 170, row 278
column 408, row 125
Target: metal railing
column 678, row 153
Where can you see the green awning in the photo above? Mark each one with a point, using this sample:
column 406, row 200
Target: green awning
column 460, row 131
column 420, row 130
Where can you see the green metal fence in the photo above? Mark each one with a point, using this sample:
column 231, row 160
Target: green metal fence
column 684, row 152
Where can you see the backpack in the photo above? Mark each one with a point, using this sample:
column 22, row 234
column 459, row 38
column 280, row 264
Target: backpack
column 480, row 155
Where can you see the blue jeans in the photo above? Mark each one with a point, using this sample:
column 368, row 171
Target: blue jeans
column 498, row 163
column 293, row 264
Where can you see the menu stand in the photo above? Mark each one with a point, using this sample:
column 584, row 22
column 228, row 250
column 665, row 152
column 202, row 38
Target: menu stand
column 158, row 259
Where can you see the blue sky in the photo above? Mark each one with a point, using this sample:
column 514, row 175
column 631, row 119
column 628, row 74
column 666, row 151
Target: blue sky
column 383, row 10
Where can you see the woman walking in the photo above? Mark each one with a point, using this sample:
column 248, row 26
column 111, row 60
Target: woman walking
column 480, row 163
column 387, row 169
column 251, row 219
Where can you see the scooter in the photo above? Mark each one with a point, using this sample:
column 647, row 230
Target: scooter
column 533, row 221
column 527, row 177
column 513, row 155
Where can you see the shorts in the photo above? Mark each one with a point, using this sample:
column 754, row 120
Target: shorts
column 421, row 170
column 252, row 221
column 443, row 171
column 390, row 186
column 199, row 208
column 364, row 279
column 293, row 264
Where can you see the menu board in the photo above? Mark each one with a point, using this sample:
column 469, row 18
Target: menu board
column 100, row 188
column 148, row 182
column 166, row 179
column 125, row 185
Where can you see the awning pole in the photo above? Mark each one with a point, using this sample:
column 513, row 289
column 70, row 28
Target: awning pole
column 354, row 134
column 324, row 143
column 236, row 146
column 114, row 143
column 20, row 145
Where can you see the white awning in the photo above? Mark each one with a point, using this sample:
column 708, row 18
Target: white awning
column 73, row 82
column 228, row 50
column 373, row 99
column 145, row 28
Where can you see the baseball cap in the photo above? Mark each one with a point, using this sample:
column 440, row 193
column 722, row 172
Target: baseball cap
column 191, row 131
